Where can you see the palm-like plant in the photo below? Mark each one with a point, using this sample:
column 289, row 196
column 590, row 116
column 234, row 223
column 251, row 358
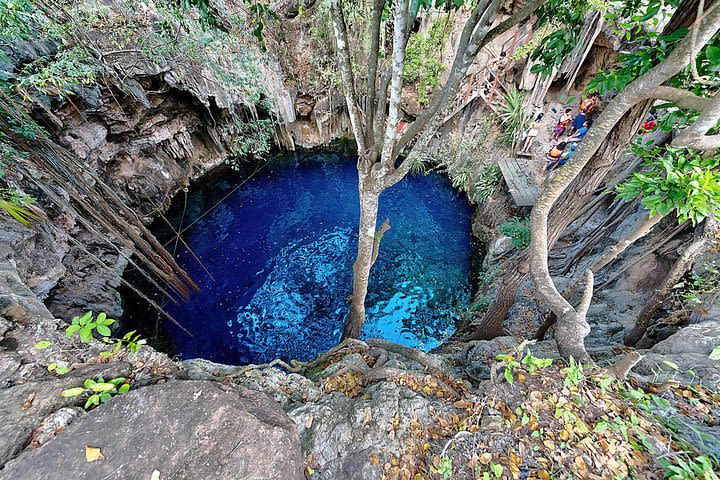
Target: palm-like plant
column 513, row 116
column 19, row 207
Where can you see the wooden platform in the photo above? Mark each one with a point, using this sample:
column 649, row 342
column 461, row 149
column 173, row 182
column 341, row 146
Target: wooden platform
column 520, row 181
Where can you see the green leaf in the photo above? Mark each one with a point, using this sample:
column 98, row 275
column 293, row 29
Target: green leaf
column 71, row 329
column 670, row 364
column 89, row 382
column 93, row 400
column 104, row 397
column 86, row 333
column 72, row 392
column 102, row 387
column 61, row 370
column 713, row 54
column 509, row 376
column 124, row 388
column 103, row 330
column 715, row 354
column 42, row 344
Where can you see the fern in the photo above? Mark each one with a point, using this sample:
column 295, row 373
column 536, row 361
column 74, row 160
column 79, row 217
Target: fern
column 486, row 183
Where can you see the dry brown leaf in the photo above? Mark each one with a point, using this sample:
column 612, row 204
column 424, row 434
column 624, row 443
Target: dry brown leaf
column 28, row 402
column 92, row 454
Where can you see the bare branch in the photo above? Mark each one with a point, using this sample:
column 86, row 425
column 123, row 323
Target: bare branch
column 398, row 65
column 373, row 65
column 589, row 280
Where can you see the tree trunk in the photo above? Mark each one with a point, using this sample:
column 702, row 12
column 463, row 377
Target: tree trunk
column 369, row 199
column 563, row 213
column 678, row 270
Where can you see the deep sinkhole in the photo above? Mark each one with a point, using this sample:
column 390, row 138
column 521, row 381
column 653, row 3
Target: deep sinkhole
column 280, row 250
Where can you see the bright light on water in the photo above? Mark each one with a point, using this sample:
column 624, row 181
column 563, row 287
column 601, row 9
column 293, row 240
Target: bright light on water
column 281, row 250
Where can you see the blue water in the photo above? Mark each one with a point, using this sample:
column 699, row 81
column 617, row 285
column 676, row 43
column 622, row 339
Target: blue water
column 281, row 250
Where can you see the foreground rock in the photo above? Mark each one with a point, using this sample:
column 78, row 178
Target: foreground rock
column 182, row 430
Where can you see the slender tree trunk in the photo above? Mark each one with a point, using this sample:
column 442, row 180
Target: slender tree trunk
column 678, row 270
column 369, row 198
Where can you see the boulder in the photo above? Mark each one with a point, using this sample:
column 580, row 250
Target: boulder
column 181, row 430
column 699, row 338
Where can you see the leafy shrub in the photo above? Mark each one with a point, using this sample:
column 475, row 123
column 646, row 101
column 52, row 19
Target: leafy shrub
column 101, row 391
column 461, row 180
column 677, row 179
column 252, row 138
column 422, row 64
column 57, row 75
column 518, row 230
column 513, row 116
column 487, row 182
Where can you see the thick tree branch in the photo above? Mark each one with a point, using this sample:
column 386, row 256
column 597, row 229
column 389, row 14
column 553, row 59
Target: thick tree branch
column 373, row 65
column 695, row 136
column 343, row 53
column 589, row 280
column 396, row 81
column 681, row 98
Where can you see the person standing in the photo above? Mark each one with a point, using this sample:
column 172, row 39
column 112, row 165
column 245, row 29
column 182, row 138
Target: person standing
column 533, row 132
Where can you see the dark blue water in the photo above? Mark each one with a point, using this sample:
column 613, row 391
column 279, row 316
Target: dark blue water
column 281, row 250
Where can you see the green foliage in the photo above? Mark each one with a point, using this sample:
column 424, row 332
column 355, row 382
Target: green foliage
column 18, row 206
column 513, row 116
column 518, row 230
column 16, row 20
column 715, row 354
column 445, row 468
column 100, row 391
column 573, row 373
column 688, row 468
column 57, row 75
column 676, row 179
column 422, row 62
column 532, row 362
column 486, row 183
column 42, row 344
column 635, row 63
column 59, row 369
column 461, row 180
column 131, row 340
column 252, row 138
column 86, row 325
column 700, row 285
column 566, row 19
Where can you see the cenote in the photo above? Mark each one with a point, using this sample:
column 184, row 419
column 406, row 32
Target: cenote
column 280, row 250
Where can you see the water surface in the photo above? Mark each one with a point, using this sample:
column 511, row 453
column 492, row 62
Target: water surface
column 281, row 250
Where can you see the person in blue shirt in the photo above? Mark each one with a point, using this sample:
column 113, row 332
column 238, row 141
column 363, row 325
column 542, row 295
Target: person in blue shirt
column 582, row 131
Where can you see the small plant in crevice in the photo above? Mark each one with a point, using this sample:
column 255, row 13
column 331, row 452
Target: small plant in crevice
column 518, row 230
column 19, row 206
column 486, row 183
column 86, row 325
column 100, row 391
